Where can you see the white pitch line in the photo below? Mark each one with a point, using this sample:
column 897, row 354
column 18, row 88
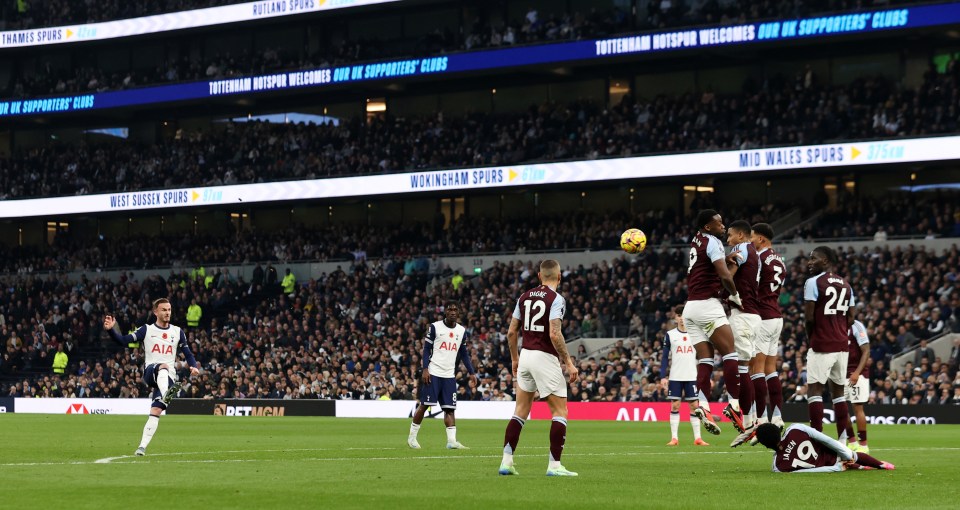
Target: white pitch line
column 110, row 460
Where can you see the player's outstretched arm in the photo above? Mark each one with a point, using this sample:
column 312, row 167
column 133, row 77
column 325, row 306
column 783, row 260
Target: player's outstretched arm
column 109, row 323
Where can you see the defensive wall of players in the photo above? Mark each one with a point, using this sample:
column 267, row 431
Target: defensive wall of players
column 605, row 411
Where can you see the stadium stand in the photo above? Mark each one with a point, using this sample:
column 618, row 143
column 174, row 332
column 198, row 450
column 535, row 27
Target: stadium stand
column 354, row 333
column 780, row 112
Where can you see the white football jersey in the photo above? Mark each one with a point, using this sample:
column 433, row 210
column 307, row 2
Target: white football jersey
column 447, row 343
column 160, row 345
column 683, row 357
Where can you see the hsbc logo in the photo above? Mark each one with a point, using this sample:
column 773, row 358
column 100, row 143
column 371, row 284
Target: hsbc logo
column 82, row 409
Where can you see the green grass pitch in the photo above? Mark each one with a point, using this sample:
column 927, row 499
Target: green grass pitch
column 51, row 461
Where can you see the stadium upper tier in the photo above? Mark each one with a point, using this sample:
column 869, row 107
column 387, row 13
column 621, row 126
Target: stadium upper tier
column 782, row 111
column 356, row 334
column 473, row 27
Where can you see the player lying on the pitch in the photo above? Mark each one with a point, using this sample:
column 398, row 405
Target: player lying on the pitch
column 803, row 449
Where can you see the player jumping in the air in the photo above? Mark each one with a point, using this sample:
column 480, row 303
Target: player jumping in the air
column 763, row 368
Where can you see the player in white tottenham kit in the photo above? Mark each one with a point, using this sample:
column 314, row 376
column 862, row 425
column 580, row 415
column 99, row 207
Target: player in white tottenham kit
column 444, row 346
column 161, row 341
column 678, row 350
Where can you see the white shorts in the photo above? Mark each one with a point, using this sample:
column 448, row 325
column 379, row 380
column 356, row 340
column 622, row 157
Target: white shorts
column 858, row 393
column 767, row 340
column 540, row 371
column 827, row 366
column 702, row 318
column 746, row 327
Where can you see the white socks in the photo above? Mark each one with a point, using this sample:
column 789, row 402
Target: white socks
column 674, row 424
column 695, row 423
column 451, row 434
column 414, row 428
column 163, row 381
column 148, row 430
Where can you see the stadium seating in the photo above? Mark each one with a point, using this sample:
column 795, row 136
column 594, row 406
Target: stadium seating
column 356, row 334
column 781, row 112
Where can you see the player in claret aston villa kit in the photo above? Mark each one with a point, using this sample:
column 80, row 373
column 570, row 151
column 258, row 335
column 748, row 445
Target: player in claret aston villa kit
column 805, row 450
column 858, row 383
column 538, row 368
column 827, row 300
column 763, row 368
column 444, row 346
column 161, row 342
column 744, row 265
column 705, row 318
column 678, row 350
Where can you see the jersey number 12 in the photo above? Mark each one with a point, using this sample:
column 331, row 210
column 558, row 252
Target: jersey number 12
column 530, row 323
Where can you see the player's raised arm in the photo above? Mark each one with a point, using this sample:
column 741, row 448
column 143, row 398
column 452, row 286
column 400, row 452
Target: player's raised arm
column 109, row 323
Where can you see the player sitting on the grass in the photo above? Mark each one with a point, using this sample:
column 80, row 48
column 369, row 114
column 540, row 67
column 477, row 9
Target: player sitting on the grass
column 444, row 346
column 161, row 341
column 802, row 449
column 678, row 350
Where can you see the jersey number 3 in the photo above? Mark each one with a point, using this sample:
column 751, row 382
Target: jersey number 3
column 530, row 323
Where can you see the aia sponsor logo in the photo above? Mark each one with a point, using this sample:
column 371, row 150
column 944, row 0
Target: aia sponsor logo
column 162, row 349
column 82, row 409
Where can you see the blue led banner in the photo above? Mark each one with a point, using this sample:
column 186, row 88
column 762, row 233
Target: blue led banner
column 661, row 41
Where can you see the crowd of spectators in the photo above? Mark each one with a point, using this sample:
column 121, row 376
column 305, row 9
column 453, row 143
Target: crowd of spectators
column 486, row 29
column 355, row 333
column 466, row 235
column 928, row 214
column 777, row 112
column 350, row 242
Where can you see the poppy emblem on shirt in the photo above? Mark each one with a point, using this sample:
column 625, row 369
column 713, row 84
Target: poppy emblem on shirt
column 164, row 336
column 684, row 338
column 451, row 334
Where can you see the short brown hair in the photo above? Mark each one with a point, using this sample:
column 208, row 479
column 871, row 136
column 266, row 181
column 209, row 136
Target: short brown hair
column 678, row 310
column 158, row 302
column 549, row 269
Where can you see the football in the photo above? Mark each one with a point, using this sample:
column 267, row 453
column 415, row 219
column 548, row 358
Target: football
column 633, row 240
